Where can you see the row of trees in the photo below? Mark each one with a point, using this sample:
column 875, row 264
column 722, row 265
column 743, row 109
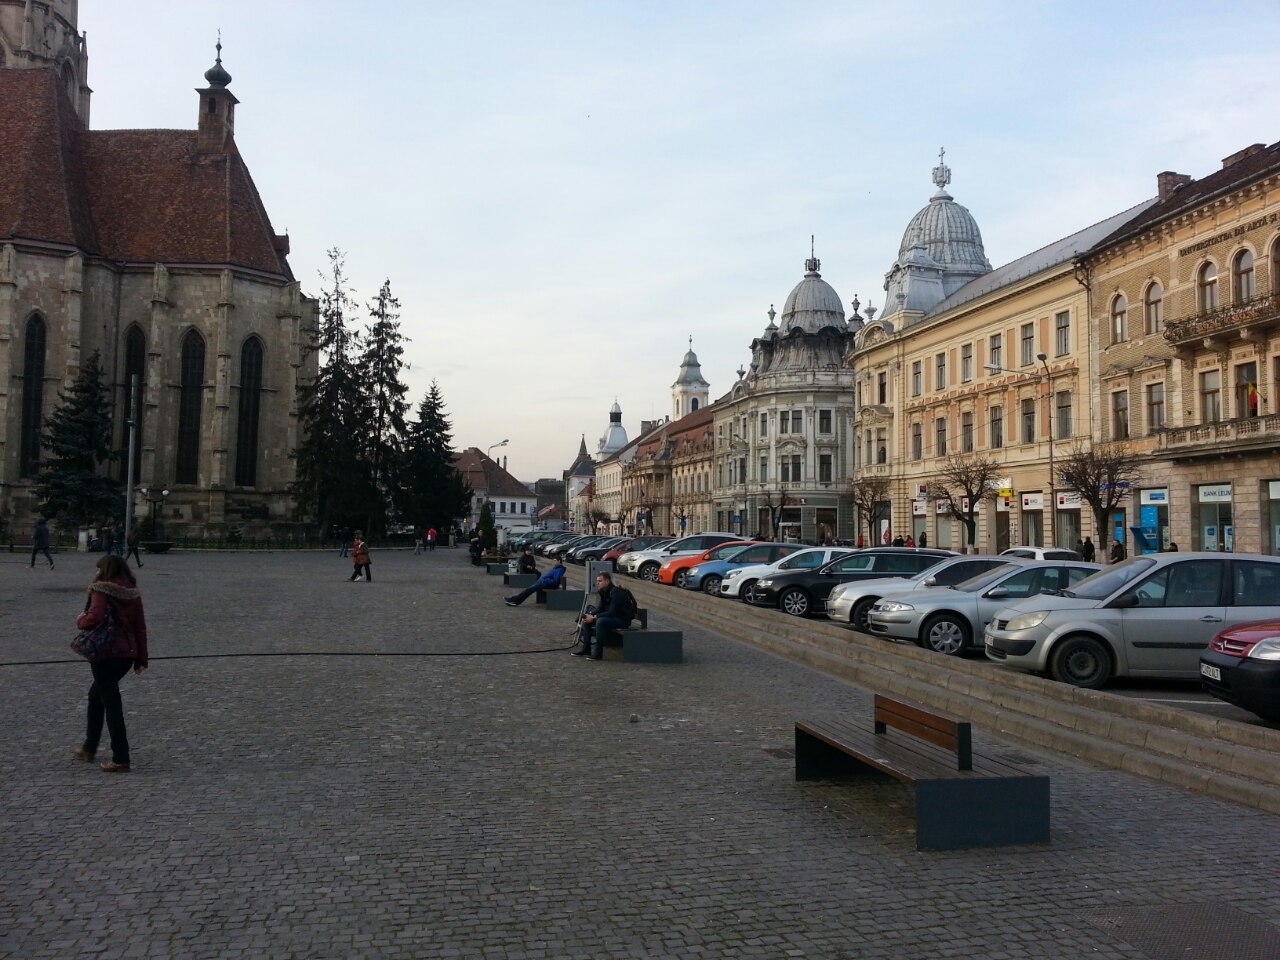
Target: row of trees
column 1102, row 474
column 361, row 461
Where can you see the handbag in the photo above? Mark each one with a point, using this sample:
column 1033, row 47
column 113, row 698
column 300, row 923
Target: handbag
column 97, row 643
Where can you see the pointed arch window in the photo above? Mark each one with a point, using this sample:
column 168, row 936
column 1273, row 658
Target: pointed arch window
column 33, row 352
column 135, row 365
column 1243, row 286
column 187, row 468
column 1207, row 288
column 247, row 416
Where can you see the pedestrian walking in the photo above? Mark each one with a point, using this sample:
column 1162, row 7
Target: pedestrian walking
column 1117, row 551
column 345, row 541
column 132, row 541
column 114, row 597
column 1087, row 550
column 40, row 543
column 431, row 537
column 924, row 538
column 360, row 558
column 418, row 537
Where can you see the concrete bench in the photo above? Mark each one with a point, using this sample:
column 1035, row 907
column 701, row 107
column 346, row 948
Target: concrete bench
column 520, row 580
column 963, row 798
column 494, row 569
column 642, row 645
column 561, row 599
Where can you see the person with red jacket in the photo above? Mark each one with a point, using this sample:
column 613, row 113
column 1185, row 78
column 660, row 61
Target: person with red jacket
column 360, row 558
column 116, row 590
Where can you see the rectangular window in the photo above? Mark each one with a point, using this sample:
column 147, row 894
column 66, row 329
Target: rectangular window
column 1062, row 333
column 795, row 468
column 966, row 362
column 824, row 468
column 996, row 348
column 1155, row 407
column 1028, row 342
column 764, row 425
column 997, row 428
column 1063, row 426
column 824, row 421
column 764, row 469
column 882, row 388
column 1247, row 399
column 1029, row 421
column 524, row 508
column 917, row 379
column 784, row 469
column 1120, row 415
column 917, row 441
column 882, row 445
column 1211, row 396
column 502, row 506
column 940, row 372
column 784, row 421
column 940, row 437
column 966, row 432
column 797, row 422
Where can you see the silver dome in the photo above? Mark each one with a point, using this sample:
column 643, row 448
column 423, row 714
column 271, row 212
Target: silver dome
column 949, row 233
column 812, row 305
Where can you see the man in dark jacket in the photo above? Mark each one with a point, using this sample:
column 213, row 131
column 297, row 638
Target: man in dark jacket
column 40, row 542
column 1087, row 550
column 548, row 581
column 527, row 564
column 611, row 614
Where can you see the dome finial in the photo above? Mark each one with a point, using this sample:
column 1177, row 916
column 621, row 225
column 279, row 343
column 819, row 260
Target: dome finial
column 217, row 75
column 813, row 264
column 942, row 173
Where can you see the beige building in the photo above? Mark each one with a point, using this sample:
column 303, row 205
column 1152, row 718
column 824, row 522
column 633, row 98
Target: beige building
column 1185, row 311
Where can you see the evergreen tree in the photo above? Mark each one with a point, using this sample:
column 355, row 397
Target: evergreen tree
column 385, row 406
column 435, row 492
column 71, row 485
column 334, row 482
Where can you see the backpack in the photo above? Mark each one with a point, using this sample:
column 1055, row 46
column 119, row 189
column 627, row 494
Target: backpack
column 628, row 602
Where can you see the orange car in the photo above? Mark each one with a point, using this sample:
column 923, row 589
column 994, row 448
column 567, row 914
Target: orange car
column 673, row 571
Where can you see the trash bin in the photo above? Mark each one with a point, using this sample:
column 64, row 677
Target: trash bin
column 513, row 566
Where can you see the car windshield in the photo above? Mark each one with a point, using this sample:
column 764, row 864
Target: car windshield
column 1106, row 582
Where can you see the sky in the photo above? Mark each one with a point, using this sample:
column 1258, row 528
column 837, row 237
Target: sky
column 563, row 193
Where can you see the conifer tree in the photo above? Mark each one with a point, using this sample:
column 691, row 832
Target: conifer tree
column 435, row 492
column 71, row 485
column 385, row 404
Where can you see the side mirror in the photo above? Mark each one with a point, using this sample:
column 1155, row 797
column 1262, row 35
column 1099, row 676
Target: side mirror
column 1129, row 599
column 997, row 593
column 930, row 581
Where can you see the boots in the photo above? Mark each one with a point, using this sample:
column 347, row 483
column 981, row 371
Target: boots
column 597, row 649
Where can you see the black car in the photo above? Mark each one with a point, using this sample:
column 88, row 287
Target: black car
column 597, row 550
column 804, row 592
column 1242, row 666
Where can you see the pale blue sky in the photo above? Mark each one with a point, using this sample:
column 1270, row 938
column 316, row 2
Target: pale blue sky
column 562, row 192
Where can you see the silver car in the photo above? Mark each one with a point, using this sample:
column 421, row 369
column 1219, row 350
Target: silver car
column 950, row 619
column 740, row 581
column 1149, row 616
column 852, row 602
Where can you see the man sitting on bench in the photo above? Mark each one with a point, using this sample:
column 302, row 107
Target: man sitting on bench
column 613, row 613
column 548, row 581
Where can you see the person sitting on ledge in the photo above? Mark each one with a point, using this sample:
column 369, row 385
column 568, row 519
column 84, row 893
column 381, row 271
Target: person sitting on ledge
column 548, row 581
column 612, row 614
column 527, row 563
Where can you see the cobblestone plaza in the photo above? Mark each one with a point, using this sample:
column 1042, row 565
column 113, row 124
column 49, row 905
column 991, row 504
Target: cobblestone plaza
column 409, row 768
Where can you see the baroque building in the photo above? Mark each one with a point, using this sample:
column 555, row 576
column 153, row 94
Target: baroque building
column 153, row 248
column 1185, row 310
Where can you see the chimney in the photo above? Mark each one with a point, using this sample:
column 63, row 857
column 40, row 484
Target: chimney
column 1168, row 183
column 504, row 461
column 1242, row 154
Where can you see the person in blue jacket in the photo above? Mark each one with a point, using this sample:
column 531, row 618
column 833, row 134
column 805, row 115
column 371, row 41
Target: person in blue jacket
column 548, row 581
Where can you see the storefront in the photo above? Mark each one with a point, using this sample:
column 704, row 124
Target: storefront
column 1032, row 522
column 1271, row 536
column 920, row 519
column 1153, row 521
column 1214, row 529
column 1066, row 520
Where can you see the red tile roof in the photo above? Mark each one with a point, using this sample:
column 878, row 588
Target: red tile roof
column 130, row 195
column 485, row 474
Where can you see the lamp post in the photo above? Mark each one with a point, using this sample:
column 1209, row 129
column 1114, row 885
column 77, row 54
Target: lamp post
column 153, row 497
column 500, row 443
column 1047, row 377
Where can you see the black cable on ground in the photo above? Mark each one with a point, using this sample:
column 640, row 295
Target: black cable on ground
column 313, row 653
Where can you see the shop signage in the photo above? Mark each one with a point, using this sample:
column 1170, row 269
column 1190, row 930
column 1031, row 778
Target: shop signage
column 1155, row 497
column 919, row 508
column 1069, row 501
column 1273, row 492
column 1215, row 493
column 1033, row 501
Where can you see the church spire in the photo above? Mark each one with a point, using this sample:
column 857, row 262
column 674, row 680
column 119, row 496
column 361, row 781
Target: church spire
column 217, row 108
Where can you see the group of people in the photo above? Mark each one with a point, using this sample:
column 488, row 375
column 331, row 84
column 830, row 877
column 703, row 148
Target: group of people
column 426, row 539
column 113, row 539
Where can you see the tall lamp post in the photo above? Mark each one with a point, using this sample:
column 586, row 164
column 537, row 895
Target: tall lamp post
column 153, row 497
column 1047, row 377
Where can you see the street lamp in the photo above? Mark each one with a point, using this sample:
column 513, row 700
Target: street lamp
column 153, row 497
column 500, row 443
column 1047, row 377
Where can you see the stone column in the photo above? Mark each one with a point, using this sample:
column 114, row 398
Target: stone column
column 219, row 426
column 8, row 331
column 149, row 472
column 72, row 296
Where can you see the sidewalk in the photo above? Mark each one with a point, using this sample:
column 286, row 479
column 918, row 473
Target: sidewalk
column 474, row 799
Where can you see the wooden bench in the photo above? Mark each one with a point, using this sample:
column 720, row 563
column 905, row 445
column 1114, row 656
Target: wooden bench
column 963, row 798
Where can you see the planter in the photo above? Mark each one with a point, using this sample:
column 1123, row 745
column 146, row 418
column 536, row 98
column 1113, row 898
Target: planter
column 157, row 546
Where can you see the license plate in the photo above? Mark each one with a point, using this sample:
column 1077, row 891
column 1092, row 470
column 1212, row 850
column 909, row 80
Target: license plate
column 1213, row 673
column 987, row 638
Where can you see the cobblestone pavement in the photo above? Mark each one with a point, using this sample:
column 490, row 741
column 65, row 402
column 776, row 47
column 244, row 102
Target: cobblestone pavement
column 482, row 798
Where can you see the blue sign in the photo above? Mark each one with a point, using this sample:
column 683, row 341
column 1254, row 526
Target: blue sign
column 736, row 518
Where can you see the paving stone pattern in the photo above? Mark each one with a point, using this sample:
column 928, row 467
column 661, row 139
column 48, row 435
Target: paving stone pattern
column 478, row 800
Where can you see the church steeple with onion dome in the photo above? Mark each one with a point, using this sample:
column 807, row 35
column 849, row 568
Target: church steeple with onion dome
column 690, row 392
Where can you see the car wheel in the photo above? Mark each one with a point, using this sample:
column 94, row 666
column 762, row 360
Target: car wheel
column 860, row 617
column 747, row 592
column 1081, row 662
column 649, row 572
column 711, row 585
column 682, row 577
column 795, row 602
column 946, row 633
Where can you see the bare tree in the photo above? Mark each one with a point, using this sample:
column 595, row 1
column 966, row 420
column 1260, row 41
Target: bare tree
column 961, row 483
column 1103, row 475
column 597, row 517
column 868, row 495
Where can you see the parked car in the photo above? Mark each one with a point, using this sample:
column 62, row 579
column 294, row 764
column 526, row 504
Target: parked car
column 646, row 563
column 803, row 592
column 949, row 619
column 636, row 544
column 740, row 582
column 1242, row 666
column 559, row 549
column 851, row 602
column 542, row 546
column 706, row 575
column 574, row 553
column 1148, row 616
column 597, row 550
column 1041, row 553
column 675, row 570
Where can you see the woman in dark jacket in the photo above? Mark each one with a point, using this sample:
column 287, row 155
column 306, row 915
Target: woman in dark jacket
column 116, row 590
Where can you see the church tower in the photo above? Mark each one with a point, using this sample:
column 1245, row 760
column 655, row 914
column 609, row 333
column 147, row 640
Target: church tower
column 45, row 34
column 615, row 436
column 690, row 392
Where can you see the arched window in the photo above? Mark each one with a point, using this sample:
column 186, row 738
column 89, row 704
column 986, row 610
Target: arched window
column 1243, row 286
column 1275, row 268
column 135, row 360
column 1153, row 308
column 1119, row 319
column 69, row 81
column 187, row 469
column 247, row 419
column 32, row 396
column 1207, row 288
column 693, row 405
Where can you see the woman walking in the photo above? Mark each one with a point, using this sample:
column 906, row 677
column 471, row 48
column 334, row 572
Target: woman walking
column 114, row 593
column 360, row 558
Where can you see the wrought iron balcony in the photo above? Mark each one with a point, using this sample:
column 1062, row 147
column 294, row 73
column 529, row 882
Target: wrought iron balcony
column 1223, row 436
column 1259, row 312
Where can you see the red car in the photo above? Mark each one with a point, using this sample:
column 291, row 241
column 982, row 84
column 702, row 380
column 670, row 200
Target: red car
column 1242, row 666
